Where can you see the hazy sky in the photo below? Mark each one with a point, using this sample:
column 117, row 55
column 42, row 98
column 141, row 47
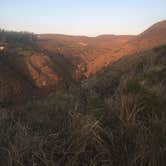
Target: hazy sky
column 84, row 17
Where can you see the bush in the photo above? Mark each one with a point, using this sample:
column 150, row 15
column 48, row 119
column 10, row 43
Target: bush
column 95, row 106
column 132, row 86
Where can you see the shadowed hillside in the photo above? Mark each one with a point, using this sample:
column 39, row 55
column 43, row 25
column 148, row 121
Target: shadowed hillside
column 27, row 71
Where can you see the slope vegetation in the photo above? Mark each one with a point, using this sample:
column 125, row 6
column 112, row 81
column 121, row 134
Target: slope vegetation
column 123, row 123
column 47, row 62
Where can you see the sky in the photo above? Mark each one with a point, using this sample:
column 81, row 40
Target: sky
column 81, row 17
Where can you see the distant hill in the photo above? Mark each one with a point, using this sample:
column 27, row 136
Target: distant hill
column 82, row 50
column 154, row 36
column 97, row 52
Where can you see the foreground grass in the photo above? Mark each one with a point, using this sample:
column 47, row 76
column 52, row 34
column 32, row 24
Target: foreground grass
column 45, row 135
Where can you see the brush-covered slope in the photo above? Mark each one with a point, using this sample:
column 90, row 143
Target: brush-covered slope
column 152, row 37
column 82, row 47
column 146, row 68
column 120, row 125
column 90, row 54
column 39, row 70
column 82, row 51
column 12, row 85
column 26, row 69
column 48, row 61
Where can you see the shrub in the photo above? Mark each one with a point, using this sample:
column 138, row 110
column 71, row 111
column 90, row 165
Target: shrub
column 95, row 105
column 132, row 86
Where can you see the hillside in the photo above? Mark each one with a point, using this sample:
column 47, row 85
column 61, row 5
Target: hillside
column 115, row 118
column 93, row 53
column 108, row 79
column 48, row 62
column 154, row 36
column 51, row 115
column 82, row 51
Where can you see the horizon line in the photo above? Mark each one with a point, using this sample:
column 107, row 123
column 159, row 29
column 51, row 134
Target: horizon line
column 84, row 35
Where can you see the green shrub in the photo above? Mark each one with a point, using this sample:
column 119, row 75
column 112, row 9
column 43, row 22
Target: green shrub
column 150, row 105
column 162, row 47
column 95, row 105
column 132, row 86
column 139, row 67
column 156, row 75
